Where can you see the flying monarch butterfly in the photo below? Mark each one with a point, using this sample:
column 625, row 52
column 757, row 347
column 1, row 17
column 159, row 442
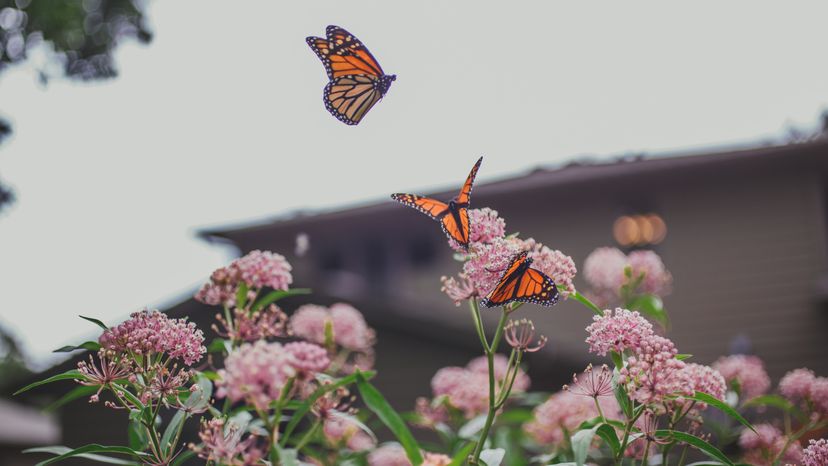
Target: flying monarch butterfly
column 357, row 81
column 454, row 215
column 522, row 283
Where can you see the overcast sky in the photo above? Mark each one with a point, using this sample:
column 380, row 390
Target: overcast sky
column 219, row 120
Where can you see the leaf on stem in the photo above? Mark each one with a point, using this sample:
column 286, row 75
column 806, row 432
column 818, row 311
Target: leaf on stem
column 72, row 374
column 95, row 321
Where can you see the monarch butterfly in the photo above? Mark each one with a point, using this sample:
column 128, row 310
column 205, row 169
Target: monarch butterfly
column 357, row 81
column 454, row 216
column 522, row 283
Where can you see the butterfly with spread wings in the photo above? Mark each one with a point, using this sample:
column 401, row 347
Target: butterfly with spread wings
column 357, row 81
column 522, row 283
column 454, row 215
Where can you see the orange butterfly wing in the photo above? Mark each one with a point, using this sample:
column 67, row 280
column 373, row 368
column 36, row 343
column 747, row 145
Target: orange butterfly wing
column 458, row 231
column 431, row 207
column 530, row 286
column 349, row 98
column 342, row 54
column 465, row 193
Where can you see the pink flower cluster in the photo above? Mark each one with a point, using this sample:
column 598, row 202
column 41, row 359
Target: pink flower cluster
column 350, row 330
column 487, row 262
column 390, row 454
column 249, row 325
column 257, row 269
column 151, row 332
column 705, row 379
column 654, row 373
column 224, row 445
column 258, row 372
column 341, row 430
column 816, row 453
column 803, row 385
column 435, row 459
column 484, row 227
column 604, row 270
column 746, row 372
column 555, row 264
column 761, row 447
column 467, row 388
column 563, row 412
column 618, row 331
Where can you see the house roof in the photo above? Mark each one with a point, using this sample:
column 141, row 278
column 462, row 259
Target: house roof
column 573, row 173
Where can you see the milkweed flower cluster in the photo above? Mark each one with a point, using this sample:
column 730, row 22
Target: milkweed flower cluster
column 763, row 446
column 390, row 454
column 745, row 373
column 816, row 453
column 147, row 333
column 341, row 431
column 804, row 387
column 561, row 415
column 249, row 325
column 484, row 227
column 610, row 274
column 350, row 330
column 466, row 388
column 223, row 444
column 618, row 331
column 256, row 270
column 257, row 373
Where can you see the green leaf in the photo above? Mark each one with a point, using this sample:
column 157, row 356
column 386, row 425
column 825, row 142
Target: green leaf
column 241, row 295
column 651, row 306
column 72, row 374
column 87, row 345
column 470, row 429
column 586, row 302
column 721, row 406
column 622, row 397
column 617, row 360
column 276, row 295
column 778, row 402
column 77, row 392
column 607, row 432
column 84, row 452
column 379, row 405
column 318, row 393
column 683, row 356
column 172, row 429
column 138, row 439
column 184, row 456
column 459, row 458
column 581, row 442
column 696, row 443
column 515, row 416
column 95, row 321
column 200, row 397
column 218, row 345
column 492, row 457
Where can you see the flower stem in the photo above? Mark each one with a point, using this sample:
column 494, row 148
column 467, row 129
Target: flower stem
column 478, row 324
column 586, row 302
column 490, row 353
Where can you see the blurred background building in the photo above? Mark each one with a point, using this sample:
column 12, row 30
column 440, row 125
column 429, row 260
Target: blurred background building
column 742, row 231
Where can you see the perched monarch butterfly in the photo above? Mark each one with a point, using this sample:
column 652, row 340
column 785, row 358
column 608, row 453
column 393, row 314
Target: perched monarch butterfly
column 522, row 283
column 454, row 216
column 357, row 81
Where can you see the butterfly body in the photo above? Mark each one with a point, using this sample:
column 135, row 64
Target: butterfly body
column 521, row 283
column 357, row 81
column 452, row 215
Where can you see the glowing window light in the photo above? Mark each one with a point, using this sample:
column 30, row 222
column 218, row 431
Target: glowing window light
column 639, row 230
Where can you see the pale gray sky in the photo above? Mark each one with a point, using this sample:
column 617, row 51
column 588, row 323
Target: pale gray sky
column 220, row 120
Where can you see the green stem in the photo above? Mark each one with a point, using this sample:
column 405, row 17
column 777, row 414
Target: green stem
column 683, row 456
column 308, row 436
column 586, row 302
column 627, row 431
column 490, row 417
column 478, row 324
